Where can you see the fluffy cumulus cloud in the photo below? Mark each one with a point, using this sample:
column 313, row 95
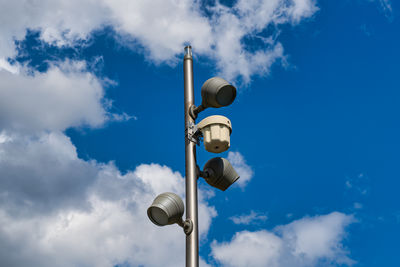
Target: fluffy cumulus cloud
column 65, row 95
column 41, row 174
column 161, row 28
column 311, row 241
column 57, row 209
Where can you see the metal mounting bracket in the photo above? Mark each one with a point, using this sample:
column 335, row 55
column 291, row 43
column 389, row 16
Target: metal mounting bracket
column 193, row 133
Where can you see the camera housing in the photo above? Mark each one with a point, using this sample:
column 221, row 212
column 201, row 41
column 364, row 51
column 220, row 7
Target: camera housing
column 216, row 132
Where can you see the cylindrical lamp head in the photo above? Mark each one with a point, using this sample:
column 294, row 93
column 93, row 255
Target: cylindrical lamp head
column 220, row 172
column 167, row 208
column 216, row 93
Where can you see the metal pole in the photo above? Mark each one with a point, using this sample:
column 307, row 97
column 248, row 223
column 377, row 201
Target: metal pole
column 192, row 240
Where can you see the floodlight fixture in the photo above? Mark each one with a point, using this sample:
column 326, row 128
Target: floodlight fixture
column 219, row 173
column 167, row 208
column 215, row 93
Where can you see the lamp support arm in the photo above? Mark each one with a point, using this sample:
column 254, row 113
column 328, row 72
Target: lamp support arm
column 195, row 110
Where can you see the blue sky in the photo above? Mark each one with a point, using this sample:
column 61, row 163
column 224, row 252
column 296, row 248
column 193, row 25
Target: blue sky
column 91, row 130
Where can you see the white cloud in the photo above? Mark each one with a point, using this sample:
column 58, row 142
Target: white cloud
column 64, row 96
column 57, row 209
column 239, row 163
column 302, row 9
column 306, row 242
column 261, row 249
column 61, row 21
column 252, row 217
column 5, row 65
column 41, row 174
column 160, row 28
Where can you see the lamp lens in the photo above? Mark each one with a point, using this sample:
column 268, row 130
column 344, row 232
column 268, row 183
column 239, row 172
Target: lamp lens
column 226, row 95
column 159, row 216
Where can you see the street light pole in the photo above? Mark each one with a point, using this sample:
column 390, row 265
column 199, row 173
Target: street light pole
column 192, row 239
column 167, row 208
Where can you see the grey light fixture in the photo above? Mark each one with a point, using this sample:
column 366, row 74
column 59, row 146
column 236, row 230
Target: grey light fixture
column 215, row 93
column 219, row 173
column 167, row 208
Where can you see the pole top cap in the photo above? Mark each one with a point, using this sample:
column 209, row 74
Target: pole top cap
column 188, row 51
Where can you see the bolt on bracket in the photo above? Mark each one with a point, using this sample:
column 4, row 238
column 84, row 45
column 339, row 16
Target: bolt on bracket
column 188, row 226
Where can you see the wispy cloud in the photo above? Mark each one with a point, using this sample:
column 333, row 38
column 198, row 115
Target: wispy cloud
column 357, row 205
column 358, row 184
column 387, row 8
column 364, row 28
column 246, row 219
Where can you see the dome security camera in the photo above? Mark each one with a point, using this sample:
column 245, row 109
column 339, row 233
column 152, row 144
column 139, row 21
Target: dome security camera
column 216, row 131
